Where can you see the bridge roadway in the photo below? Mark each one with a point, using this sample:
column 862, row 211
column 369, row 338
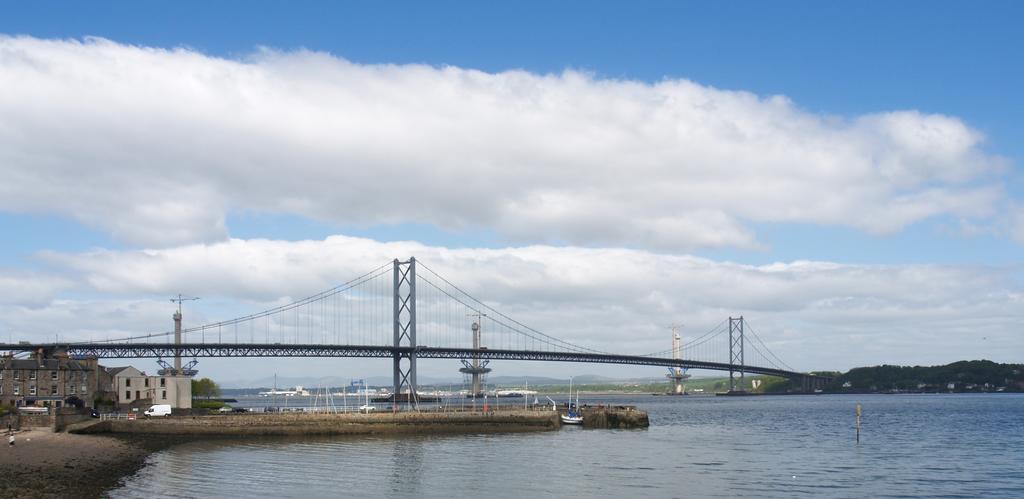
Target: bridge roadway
column 169, row 350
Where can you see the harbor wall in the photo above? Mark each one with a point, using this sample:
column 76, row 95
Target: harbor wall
column 618, row 417
column 332, row 424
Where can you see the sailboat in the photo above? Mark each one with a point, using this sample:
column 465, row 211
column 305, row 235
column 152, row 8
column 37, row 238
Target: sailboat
column 573, row 416
column 366, row 407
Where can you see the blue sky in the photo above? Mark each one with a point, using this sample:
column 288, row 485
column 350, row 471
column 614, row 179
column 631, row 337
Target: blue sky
column 848, row 71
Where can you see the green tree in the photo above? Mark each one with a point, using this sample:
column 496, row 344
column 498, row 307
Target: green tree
column 205, row 388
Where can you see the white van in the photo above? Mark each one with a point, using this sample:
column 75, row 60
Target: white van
column 158, row 410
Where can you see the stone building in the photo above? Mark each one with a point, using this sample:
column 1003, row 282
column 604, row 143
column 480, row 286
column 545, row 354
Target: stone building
column 133, row 388
column 48, row 382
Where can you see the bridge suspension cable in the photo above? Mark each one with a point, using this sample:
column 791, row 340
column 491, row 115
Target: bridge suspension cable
column 528, row 336
column 704, row 338
column 767, row 354
column 367, row 277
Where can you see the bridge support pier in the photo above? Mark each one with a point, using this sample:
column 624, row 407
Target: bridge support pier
column 404, row 332
column 810, row 383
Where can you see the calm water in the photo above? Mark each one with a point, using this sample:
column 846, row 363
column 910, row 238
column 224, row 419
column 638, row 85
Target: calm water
column 911, row 445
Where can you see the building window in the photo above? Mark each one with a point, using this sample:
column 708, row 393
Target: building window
column 72, row 389
column 1, row 374
column 84, row 390
column 32, row 389
column 163, row 381
column 32, row 374
column 17, row 389
column 127, row 382
column 163, row 394
column 53, row 390
column 53, row 375
column 17, row 374
column 146, row 382
column 127, row 394
column 1, row 388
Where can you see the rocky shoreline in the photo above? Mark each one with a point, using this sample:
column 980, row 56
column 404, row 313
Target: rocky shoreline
column 46, row 464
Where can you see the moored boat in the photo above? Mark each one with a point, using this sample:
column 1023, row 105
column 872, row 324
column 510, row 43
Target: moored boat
column 573, row 415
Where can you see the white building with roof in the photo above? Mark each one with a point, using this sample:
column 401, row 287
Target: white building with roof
column 134, row 388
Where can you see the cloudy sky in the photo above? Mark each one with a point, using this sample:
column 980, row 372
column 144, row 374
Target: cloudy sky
column 850, row 182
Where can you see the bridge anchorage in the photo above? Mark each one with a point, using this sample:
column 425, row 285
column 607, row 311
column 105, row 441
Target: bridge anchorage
column 405, row 311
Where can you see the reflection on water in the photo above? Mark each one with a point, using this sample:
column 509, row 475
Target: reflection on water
column 911, row 445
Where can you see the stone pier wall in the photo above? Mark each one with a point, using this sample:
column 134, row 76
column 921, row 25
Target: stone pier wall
column 333, row 424
column 615, row 416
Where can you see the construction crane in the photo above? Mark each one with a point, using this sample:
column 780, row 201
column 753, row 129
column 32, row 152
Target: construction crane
column 182, row 298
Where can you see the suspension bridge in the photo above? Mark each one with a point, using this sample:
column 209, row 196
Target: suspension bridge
column 406, row 311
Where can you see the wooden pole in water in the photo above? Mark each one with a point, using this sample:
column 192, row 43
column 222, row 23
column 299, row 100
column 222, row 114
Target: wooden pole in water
column 858, row 423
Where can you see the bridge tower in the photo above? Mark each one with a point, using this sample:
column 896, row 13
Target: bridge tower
column 177, row 329
column 404, row 331
column 677, row 374
column 736, row 354
column 180, row 376
column 474, row 368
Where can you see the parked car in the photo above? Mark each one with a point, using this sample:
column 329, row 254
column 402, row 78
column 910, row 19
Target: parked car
column 94, row 413
column 239, row 409
column 224, row 410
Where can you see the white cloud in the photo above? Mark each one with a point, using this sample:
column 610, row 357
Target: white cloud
column 812, row 314
column 30, row 289
column 158, row 146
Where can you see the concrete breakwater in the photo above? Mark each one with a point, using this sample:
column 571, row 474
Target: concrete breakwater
column 330, row 424
column 615, row 416
column 612, row 416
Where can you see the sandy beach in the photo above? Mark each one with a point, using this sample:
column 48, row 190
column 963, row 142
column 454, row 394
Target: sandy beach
column 47, row 464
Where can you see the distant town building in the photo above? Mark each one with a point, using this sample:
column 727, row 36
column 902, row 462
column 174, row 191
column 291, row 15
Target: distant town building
column 133, row 388
column 48, row 382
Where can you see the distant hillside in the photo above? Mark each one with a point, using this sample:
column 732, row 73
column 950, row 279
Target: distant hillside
column 963, row 376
